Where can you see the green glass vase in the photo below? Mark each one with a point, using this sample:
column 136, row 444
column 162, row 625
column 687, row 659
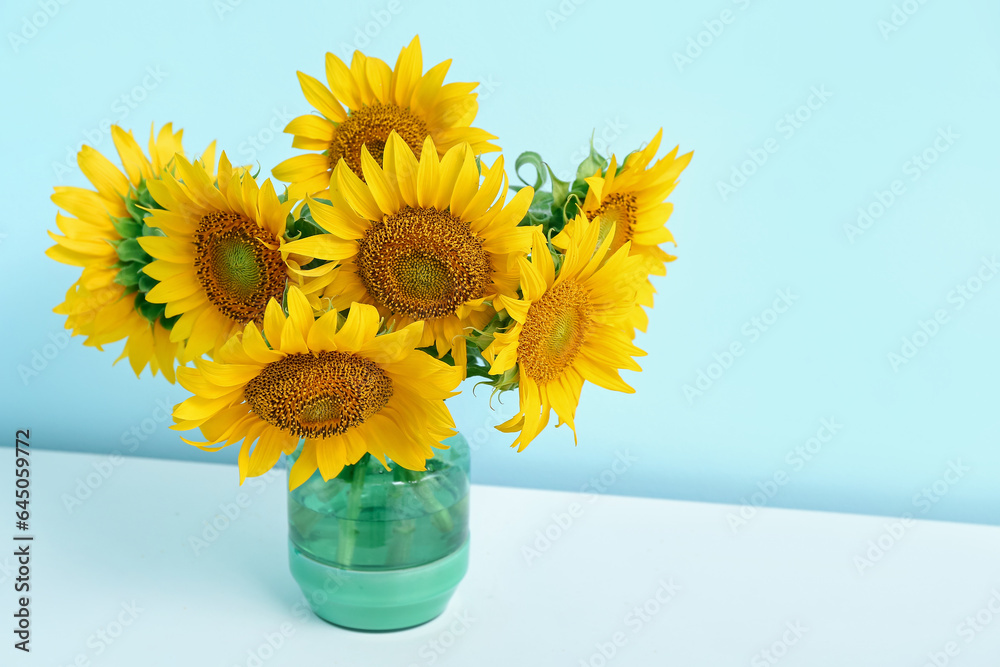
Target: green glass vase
column 377, row 549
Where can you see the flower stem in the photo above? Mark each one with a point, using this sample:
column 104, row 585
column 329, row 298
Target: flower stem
column 424, row 487
column 349, row 524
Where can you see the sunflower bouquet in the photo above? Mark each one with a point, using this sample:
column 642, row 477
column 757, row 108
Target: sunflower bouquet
column 330, row 318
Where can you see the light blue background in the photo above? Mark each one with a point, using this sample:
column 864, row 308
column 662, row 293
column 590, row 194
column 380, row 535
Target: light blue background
column 552, row 73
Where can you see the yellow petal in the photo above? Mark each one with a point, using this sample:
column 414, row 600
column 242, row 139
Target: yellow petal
column 428, row 175
column 304, row 466
column 312, row 127
column 102, row 173
column 361, row 326
column 322, row 246
column 168, row 249
column 274, row 322
column 340, row 221
column 356, row 192
column 382, row 191
column 338, row 75
column 300, row 313
column 331, row 456
column 321, row 98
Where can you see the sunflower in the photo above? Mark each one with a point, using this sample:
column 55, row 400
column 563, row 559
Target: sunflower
column 422, row 240
column 632, row 202
column 107, row 303
column 567, row 328
column 378, row 101
column 343, row 390
column 220, row 259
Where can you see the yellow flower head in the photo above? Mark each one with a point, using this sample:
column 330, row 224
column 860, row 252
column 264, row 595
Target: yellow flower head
column 422, row 240
column 633, row 204
column 106, row 304
column 567, row 328
column 343, row 390
column 378, row 100
column 220, row 259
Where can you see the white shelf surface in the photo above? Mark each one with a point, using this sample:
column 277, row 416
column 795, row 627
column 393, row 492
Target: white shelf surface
column 125, row 554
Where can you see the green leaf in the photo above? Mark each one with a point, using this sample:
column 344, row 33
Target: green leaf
column 477, row 371
column 572, row 207
column 132, row 206
column 169, row 322
column 541, row 202
column 145, row 198
column 151, row 311
column 147, row 283
column 126, row 227
column 535, row 160
column 593, row 163
column 152, row 231
column 559, row 188
column 128, row 276
column 129, row 250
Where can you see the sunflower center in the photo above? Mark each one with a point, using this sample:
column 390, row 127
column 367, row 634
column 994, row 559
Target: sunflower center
column 318, row 396
column 618, row 209
column 238, row 271
column 423, row 263
column 370, row 126
column 554, row 331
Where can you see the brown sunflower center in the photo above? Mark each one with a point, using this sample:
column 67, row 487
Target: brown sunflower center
column 423, row 263
column 238, row 271
column 619, row 209
column 554, row 331
column 318, row 396
column 370, row 126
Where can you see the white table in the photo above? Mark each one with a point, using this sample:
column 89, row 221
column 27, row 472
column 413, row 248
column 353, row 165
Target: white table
column 122, row 564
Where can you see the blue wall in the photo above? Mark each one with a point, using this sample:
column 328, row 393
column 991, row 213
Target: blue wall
column 848, row 102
